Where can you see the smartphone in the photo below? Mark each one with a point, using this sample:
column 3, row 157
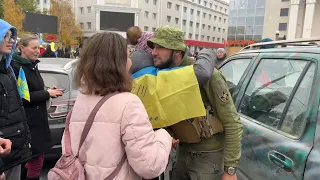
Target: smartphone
column 60, row 88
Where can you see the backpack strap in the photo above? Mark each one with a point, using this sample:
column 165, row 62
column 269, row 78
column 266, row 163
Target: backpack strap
column 87, row 126
column 116, row 171
column 67, row 140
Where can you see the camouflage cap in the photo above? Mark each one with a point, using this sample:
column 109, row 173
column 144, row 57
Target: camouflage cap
column 168, row 37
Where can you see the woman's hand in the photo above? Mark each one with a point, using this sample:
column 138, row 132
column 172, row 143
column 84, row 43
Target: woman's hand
column 2, row 176
column 55, row 92
column 5, row 146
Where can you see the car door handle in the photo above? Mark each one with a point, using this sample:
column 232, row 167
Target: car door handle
column 281, row 160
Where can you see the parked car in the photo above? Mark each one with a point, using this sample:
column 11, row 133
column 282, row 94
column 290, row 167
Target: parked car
column 58, row 72
column 276, row 93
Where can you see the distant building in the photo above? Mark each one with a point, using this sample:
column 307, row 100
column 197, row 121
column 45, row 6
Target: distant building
column 258, row 19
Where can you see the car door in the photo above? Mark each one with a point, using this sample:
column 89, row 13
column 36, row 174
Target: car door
column 276, row 108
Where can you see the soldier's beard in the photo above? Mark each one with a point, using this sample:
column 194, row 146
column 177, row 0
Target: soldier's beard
column 166, row 64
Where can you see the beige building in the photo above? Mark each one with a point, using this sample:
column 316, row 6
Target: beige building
column 204, row 20
column 294, row 19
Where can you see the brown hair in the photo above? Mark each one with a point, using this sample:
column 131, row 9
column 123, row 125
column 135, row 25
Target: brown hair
column 24, row 41
column 133, row 34
column 102, row 67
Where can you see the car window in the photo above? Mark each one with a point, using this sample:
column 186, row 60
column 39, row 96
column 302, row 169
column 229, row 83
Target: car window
column 269, row 89
column 233, row 71
column 61, row 81
column 293, row 122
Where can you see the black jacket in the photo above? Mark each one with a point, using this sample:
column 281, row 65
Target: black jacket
column 13, row 124
column 36, row 109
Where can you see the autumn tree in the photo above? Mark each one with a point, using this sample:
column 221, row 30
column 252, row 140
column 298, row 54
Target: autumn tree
column 68, row 30
column 27, row 5
column 1, row 10
column 12, row 13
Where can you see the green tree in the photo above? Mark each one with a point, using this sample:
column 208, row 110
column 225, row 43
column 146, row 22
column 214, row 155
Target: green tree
column 27, row 5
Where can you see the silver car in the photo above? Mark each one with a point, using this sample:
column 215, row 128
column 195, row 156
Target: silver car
column 58, row 72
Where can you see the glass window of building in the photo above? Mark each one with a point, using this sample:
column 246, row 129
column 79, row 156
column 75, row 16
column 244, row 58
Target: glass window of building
column 284, row 12
column 283, row 26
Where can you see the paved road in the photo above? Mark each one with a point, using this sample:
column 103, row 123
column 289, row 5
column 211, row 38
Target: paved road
column 50, row 163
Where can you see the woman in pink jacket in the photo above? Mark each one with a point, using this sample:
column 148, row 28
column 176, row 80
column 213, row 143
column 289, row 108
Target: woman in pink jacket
column 121, row 126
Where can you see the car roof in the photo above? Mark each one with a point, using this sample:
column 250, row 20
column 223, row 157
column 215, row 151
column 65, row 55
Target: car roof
column 308, row 49
column 61, row 65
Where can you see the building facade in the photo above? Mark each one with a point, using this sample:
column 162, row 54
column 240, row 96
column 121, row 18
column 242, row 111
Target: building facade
column 203, row 20
column 294, row 19
column 246, row 19
column 200, row 20
column 257, row 19
column 43, row 5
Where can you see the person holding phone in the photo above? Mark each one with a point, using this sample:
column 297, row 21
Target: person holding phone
column 36, row 108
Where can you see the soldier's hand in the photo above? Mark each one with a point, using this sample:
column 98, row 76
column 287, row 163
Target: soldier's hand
column 175, row 142
column 227, row 176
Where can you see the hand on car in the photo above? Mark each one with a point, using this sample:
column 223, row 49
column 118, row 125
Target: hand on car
column 5, row 146
column 227, row 176
column 54, row 92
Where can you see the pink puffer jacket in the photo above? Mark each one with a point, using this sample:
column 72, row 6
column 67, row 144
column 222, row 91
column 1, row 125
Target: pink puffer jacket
column 121, row 127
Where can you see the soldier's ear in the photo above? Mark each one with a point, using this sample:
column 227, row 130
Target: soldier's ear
column 177, row 53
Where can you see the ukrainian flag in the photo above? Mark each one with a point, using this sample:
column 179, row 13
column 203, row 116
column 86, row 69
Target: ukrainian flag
column 167, row 97
column 23, row 85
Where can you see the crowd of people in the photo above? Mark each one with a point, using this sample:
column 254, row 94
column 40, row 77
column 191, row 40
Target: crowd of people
column 108, row 129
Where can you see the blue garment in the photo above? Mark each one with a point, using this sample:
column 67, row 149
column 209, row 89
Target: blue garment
column 4, row 28
column 267, row 46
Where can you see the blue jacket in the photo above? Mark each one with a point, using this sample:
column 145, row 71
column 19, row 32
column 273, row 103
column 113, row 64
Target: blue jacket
column 4, row 28
column 13, row 122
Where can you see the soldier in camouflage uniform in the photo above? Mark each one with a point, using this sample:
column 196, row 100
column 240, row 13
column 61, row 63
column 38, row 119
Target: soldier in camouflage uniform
column 213, row 158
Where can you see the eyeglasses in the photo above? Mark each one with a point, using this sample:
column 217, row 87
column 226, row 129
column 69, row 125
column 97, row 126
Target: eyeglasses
column 9, row 39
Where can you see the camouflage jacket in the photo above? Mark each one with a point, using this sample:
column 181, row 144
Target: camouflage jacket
column 216, row 94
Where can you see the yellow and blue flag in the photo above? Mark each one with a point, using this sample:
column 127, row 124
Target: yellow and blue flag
column 167, row 97
column 23, row 85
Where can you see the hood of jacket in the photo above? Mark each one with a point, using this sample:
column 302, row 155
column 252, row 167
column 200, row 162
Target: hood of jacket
column 4, row 28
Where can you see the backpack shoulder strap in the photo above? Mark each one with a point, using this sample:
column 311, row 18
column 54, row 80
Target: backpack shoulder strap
column 118, row 168
column 67, row 140
column 91, row 117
